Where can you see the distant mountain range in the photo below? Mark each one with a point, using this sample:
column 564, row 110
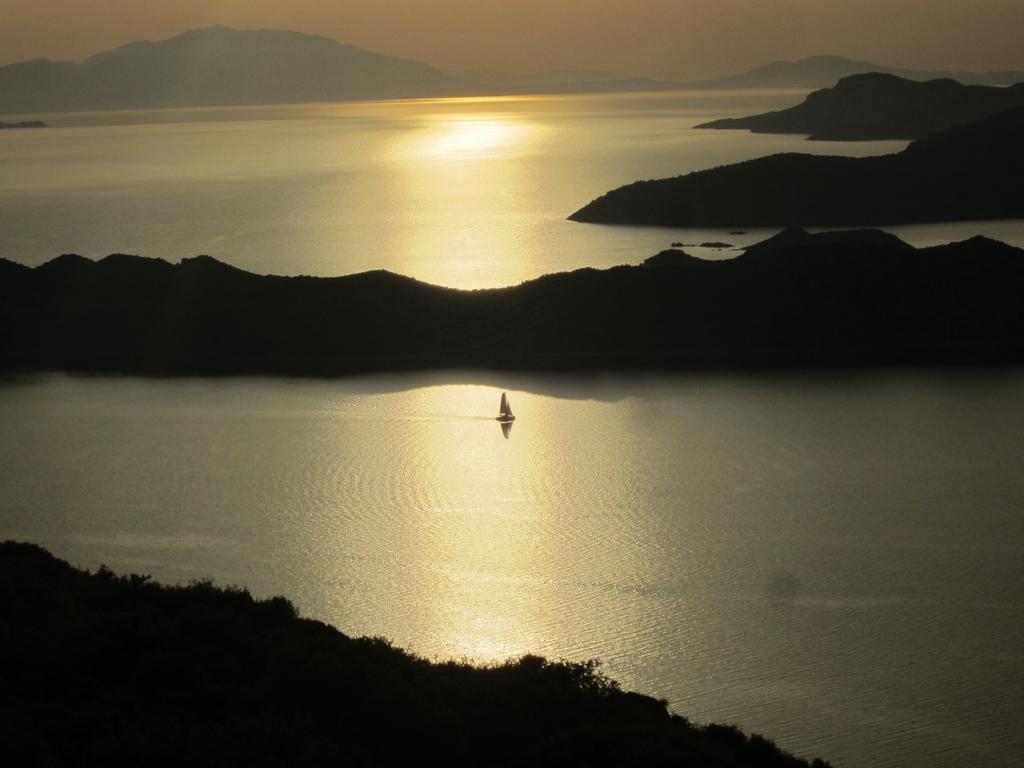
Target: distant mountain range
column 23, row 124
column 837, row 298
column 565, row 81
column 219, row 66
column 877, row 106
column 970, row 172
column 823, row 71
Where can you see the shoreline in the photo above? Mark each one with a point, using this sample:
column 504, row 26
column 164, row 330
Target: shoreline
column 121, row 655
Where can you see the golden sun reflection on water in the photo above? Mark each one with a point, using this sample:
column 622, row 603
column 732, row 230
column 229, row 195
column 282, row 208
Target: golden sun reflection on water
column 452, row 172
column 463, row 136
column 471, row 528
column 475, row 135
column 484, row 547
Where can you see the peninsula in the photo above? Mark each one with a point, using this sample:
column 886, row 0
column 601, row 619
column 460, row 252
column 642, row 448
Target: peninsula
column 878, row 106
column 971, row 172
column 797, row 299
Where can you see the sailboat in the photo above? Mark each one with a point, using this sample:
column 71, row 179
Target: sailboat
column 505, row 410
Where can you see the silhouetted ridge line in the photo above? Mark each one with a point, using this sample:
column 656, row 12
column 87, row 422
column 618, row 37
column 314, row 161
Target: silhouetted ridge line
column 118, row 670
column 797, row 299
column 878, row 106
column 970, row 172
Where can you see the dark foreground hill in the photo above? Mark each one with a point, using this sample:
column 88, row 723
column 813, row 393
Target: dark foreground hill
column 971, row 172
column 218, row 66
column 109, row 670
column 877, row 106
column 840, row 298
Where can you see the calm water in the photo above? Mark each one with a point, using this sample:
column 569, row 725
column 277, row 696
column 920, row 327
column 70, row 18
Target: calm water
column 837, row 562
column 462, row 192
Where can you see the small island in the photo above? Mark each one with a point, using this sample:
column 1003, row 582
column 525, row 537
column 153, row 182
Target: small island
column 971, row 172
column 878, row 106
column 119, row 670
column 23, row 124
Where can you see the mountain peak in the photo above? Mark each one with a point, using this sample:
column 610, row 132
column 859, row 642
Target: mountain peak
column 215, row 29
column 211, row 31
column 824, row 58
column 221, row 66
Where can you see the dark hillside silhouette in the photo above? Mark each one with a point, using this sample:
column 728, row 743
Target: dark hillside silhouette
column 877, row 106
column 839, row 298
column 970, row 172
column 100, row 669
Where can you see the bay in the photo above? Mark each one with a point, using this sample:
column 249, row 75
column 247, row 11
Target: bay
column 466, row 193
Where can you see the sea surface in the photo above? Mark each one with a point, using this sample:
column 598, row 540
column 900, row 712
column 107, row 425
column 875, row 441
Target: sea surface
column 836, row 561
column 470, row 192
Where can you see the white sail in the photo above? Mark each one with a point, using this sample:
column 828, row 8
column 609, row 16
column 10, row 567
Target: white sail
column 505, row 409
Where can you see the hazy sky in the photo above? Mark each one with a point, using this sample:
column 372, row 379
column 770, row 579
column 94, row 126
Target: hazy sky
column 660, row 38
